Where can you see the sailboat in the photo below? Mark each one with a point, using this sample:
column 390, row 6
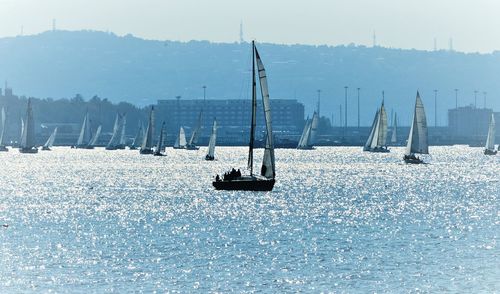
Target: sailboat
column 50, row 141
column 147, row 141
column 28, row 139
column 116, row 137
column 2, row 131
column 489, row 149
column 95, row 138
column 394, row 135
column 138, row 137
column 159, row 147
column 264, row 181
column 417, row 140
column 85, row 134
column 211, row 144
column 309, row 133
column 378, row 135
column 122, row 142
column 191, row 145
column 180, row 142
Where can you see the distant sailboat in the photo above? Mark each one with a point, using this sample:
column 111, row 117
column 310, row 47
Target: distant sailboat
column 28, row 144
column 85, row 134
column 2, row 131
column 138, row 138
column 50, row 140
column 147, row 141
column 180, row 142
column 417, row 140
column 95, row 138
column 378, row 135
column 191, row 145
column 234, row 180
column 489, row 149
column 394, row 135
column 308, row 137
column 118, row 129
column 160, row 147
column 123, row 139
column 211, row 144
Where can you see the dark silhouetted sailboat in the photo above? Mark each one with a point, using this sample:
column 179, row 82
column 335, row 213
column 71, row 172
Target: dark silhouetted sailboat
column 234, row 180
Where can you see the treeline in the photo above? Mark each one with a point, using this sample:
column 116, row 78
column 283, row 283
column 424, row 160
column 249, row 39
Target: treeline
column 49, row 112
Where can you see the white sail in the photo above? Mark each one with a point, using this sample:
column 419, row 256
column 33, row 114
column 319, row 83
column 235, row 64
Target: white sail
column 490, row 140
column 22, row 130
column 268, row 165
column 382, row 135
column 159, row 146
column 85, row 133
column 394, row 136
column 116, row 128
column 147, row 142
column 314, row 129
column 51, row 139
column 194, row 136
column 182, row 137
column 213, row 138
column 122, row 129
column 417, row 140
column 138, row 136
column 2, row 131
column 372, row 133
column 94, row 139
column 305, row 135
column 28, row 138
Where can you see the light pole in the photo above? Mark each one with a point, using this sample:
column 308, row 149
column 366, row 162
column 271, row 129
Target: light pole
column 475, row 98
column 456, row 98
column 358, row 107
column 345, row 107
column 435, row 108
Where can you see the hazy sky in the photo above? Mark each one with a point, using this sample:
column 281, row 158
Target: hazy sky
column 474, row 25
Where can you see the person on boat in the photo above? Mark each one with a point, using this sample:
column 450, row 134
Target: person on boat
column 238, row 173
column 217, row 178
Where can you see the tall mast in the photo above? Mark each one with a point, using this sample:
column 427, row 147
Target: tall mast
column 254, row 112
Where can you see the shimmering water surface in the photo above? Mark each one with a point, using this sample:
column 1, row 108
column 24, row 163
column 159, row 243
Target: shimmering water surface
column 338, row 220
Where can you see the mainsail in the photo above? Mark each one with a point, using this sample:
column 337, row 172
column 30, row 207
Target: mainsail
column 180, row 142
column 138, row 136
column 122, row 126
column 378, row 133
column 490, row 140
column 85, row 132
column 417, row 140
column 94, row 139
column 211, row 143
column 2, row 131
column 394, row 135
column 117, row 131
column 28, row 138
column 159, row 146
column 51, row 139
column 194, row 136
column 147, row 142
column 268, row 165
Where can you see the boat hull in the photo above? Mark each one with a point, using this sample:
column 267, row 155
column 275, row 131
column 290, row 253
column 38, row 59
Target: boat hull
column 192, row 148
column 4, row 149
column 378, row 150
column 306, row 148
column 146, row 151
column 46, row 149
column 158, row 154
column 28, row 150
column 84, row 147
column 209, row 158
column 490, row 152
column 245, row 185
column 412, row 159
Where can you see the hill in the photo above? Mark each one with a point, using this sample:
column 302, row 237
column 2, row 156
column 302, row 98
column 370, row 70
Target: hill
column 61, row 64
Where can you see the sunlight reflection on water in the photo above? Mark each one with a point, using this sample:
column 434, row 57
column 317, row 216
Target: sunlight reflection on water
column 338, row 220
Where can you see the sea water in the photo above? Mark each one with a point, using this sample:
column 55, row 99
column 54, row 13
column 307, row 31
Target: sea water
column 338, row 220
